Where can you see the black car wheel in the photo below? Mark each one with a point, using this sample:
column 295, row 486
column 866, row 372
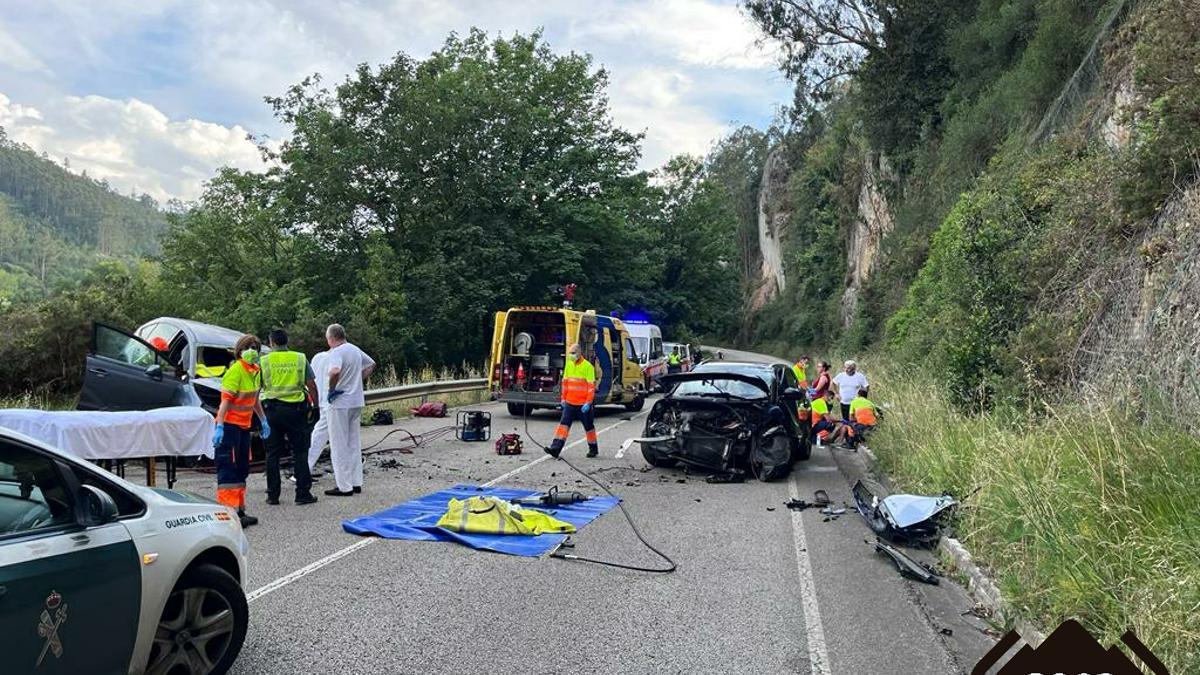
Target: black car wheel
column 202, row 626
column 517, row 409
column 636, row 404
column 771, row 457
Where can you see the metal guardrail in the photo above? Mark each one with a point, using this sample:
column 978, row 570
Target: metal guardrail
column 376, row 396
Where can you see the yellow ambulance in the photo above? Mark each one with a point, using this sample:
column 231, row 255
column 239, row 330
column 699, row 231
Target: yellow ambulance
column 529, row 351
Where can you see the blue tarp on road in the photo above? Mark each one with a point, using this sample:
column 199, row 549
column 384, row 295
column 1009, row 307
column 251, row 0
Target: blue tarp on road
column 417, row 519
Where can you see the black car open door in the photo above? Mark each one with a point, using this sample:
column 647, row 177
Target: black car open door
column 125, row 373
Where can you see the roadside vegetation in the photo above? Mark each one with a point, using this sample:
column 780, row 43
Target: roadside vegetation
column 1081, row 512
column 1015, row 206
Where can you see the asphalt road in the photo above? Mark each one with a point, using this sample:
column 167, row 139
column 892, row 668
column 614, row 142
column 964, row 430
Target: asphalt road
column 759, row 588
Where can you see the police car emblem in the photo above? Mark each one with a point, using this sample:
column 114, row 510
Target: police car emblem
column 53, row 617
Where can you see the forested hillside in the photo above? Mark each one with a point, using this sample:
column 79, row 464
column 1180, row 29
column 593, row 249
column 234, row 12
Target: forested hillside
column 410, row 202
column 963, row 183
column 54, row 224
column 995, row 202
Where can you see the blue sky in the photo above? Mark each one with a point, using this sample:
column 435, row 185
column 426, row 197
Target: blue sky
column 153, row 96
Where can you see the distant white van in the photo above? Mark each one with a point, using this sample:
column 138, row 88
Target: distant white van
column 647, row 339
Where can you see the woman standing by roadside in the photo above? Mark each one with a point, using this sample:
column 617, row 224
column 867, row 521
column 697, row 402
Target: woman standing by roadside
column 821, row 384
column 240, row 387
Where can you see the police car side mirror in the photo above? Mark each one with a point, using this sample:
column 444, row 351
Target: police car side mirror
column 99, row 507
column 154, row 372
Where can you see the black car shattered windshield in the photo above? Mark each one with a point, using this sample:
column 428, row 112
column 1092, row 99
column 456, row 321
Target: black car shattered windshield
column 721, row 386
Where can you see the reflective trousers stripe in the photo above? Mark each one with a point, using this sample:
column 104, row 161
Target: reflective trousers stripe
column 561, row 431
column 232, row 496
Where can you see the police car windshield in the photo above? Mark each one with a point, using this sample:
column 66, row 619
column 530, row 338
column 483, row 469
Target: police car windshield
column 723, row 387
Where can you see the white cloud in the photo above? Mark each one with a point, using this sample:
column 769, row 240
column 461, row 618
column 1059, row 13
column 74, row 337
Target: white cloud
column 131, row 144
column 654, row 100
column 128, row 82
column 693, row 32
column 14, row 55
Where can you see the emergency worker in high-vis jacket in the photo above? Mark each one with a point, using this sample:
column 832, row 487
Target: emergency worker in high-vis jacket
column 578, row 390
column 288, row 385
column 240, row 387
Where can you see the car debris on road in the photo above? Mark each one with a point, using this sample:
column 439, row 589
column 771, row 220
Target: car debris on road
column 907, row 566
column 904, row 518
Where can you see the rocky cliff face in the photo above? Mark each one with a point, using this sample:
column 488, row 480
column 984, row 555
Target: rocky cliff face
column 773, row 214
column 1145, row 340
column 873, row 223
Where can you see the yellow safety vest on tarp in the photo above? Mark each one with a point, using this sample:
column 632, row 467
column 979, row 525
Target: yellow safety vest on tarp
column 283, row 376
column 492, row 515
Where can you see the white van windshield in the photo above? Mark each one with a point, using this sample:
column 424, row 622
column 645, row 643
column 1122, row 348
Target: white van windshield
column 643, row 347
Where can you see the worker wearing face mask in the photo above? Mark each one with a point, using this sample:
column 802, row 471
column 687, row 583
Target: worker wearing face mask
column 240, row 387
column 578, row 390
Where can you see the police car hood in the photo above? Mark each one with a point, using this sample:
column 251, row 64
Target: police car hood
column 183, row 497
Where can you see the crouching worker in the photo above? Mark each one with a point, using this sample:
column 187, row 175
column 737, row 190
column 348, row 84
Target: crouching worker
column 823, row 424
column 578, row 390
column 239, row 404
column 863, row 418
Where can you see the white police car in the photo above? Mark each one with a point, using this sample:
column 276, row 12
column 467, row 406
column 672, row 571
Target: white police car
column 98, row 575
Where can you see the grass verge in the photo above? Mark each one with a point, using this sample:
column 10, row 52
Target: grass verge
column 1081, row 512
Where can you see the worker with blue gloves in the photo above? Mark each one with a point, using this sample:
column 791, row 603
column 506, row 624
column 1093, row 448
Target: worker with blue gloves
column 578, row 392
column 240, row 387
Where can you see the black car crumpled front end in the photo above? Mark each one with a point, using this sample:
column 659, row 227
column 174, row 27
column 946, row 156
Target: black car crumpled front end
column 736, row 438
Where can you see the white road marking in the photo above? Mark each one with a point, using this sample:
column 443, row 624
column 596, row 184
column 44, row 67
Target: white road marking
column 341, row 553
column 307, row 569
column 818, row 655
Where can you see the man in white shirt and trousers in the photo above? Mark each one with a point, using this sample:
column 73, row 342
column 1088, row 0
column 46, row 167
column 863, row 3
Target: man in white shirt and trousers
column 320, row 432
column 347, row 370
column 846, row 385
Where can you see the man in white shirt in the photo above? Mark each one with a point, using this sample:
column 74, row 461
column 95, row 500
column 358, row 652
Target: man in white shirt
column 846, row 385
column 347, row 369
column 320, row 432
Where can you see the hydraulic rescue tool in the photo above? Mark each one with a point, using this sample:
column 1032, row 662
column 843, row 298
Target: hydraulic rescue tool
column 554, row 498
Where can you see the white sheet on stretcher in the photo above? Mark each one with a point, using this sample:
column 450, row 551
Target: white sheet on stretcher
column 185, row 431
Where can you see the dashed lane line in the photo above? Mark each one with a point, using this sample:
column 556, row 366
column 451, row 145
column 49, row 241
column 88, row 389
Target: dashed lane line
column 342, row 553
column 818, row 654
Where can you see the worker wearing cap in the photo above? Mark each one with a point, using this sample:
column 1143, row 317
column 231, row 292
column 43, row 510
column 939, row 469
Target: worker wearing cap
column 578, row 390
column 288, row 385
column 239, row 404
column 863, row 417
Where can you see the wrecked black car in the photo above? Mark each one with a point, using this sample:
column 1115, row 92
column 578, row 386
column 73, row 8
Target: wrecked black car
column 734, row 419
